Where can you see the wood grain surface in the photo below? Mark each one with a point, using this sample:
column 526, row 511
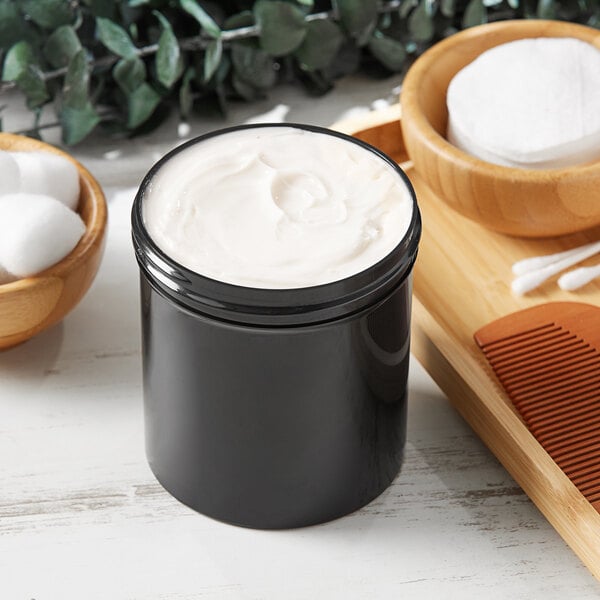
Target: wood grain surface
column 462, row 282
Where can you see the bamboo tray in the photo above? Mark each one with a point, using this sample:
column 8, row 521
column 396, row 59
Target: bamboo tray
column 462, row 282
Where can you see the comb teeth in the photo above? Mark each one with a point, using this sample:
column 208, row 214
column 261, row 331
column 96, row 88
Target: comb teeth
column 552, row 376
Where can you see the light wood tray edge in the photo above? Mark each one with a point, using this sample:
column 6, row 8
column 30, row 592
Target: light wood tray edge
column 485, row 406
column 506, row 436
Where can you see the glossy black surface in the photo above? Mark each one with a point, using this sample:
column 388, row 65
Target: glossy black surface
column 275, row 408
column 275, row 428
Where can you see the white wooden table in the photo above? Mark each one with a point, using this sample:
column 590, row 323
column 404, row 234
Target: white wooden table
column 81, row 516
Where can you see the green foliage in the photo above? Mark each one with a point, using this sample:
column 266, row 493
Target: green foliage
column 48, row 14
column 115, row 38
column 474, row 14
column 125, row 63
column 212, row 58
column 61, row 46
column 141, row 104
column 253, row 66
column 21, row 66
column 388, row 51
column 358, row 17
column 77, row 82
column 169, row 64
column 282, row 26
column 129, row 73
column 320, row 45
column 205, row 21
column 420, row 22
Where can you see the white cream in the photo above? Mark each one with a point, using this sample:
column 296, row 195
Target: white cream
column 277, row 208
column 531, row 103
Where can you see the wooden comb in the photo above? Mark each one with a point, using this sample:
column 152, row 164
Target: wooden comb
column 547, row 358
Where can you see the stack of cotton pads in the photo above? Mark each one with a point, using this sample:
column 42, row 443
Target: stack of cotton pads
column 532, row 103
column 39, row 193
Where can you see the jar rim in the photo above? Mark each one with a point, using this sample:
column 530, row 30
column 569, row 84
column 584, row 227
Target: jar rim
column 273, row 306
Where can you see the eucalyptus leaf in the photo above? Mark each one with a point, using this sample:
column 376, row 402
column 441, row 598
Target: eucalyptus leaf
column 141, row 104
column 49, row 14
column 239, row 20
column 546, row 9
column 568, row 10
column 475, row 14
column 129, row 73
column 358, row 17
column 320, row 45
column 406, row 8
column 61, row 46
column 20, row 66
column 13, row 27
column 385, row 21
column 222, row 71
column 77, row 82
column 346, row 61
column 102, row 8
column 389, row 52
column 244, row 89
column 253, row 66
column 115, row 38
column 594, row 21
column 169, row 64
column 315, row 83
column 420, row 23
column 17, row 60
column 31, row 83
column 282, row 26
column 448, row 8
column 212, row 58
column 77, row 123
column 204, row 19
column 186, row 99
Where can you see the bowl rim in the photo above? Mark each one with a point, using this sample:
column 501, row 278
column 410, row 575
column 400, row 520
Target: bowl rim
column 450, row 153
column 94, row 231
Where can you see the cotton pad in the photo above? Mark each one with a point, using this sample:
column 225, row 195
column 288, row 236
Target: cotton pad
column 46, row 173
column 531, row 103
column 9, row 174
column 36, row 231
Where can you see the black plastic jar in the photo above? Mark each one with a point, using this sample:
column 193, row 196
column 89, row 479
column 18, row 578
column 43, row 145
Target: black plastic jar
column 275, row 408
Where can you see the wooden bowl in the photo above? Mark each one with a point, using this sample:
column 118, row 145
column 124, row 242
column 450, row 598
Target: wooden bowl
column 32, row 304
column 519, row 202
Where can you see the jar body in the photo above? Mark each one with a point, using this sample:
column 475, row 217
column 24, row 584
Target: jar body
column 275, row 427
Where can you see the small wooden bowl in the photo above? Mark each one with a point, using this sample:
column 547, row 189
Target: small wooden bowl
column 519, row 202
column 30, row 305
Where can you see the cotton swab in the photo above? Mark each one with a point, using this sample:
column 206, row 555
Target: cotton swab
column 538, row 262
column 578, row 277
column 530, row 280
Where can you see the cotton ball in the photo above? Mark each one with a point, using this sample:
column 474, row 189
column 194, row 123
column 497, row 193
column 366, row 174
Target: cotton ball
column 36, row 231
column 9, row 174
column 46, row 173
